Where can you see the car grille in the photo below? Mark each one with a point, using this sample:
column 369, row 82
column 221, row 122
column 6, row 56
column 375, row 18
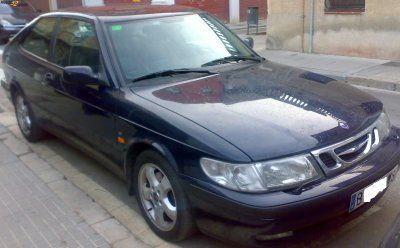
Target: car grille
column 327, row 160
column 348, row 152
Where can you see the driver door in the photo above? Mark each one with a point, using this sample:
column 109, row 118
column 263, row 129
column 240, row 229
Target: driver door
column 85, row 112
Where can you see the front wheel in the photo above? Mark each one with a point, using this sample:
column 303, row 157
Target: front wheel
column 161, row 198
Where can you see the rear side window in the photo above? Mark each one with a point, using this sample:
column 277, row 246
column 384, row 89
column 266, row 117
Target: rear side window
column 76, row 44
column 39, row 39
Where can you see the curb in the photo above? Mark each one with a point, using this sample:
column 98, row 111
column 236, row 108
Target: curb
column 244, row 27
column 367, row 83
column 370, row 83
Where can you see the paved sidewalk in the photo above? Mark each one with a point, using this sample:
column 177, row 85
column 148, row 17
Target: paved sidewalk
column 40, row 207
column 375, row 73
column 32, row 215
column 91, row 192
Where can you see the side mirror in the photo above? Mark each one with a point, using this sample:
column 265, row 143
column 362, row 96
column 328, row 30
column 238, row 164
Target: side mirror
column 249, row 41
column 81, row 75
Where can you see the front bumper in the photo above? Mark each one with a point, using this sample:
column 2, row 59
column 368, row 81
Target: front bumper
column 242, row 217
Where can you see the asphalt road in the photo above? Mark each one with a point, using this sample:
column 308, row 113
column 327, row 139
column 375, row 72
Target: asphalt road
column 365, row 231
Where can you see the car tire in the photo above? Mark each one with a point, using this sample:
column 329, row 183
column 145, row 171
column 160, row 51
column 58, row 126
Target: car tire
column 158, row 189
column 27, row 123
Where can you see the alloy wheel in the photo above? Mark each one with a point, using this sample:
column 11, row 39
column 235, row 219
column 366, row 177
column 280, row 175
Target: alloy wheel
column 23, row 117
column 157, row 197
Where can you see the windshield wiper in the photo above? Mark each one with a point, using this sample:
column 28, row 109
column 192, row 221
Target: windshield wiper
column 232, row 58
column 170, row 73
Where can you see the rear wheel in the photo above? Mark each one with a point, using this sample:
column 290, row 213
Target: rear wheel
column 161, row 198
column 26, row 121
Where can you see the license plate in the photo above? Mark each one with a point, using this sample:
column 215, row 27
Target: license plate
column 367, row 194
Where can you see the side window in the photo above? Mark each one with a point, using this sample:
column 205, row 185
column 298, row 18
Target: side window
column 39, row 39
column 76, row 44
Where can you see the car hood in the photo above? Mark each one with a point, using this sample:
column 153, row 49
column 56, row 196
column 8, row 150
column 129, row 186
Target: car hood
column 269, row 110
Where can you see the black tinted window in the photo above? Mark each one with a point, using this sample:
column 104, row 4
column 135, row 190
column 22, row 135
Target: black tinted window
column 76, row 44
column 38, row 41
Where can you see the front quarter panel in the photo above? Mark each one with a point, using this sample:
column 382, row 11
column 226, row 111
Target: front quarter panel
column 177, row 138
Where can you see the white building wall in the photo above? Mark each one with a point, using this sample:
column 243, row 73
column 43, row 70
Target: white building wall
column 167, row 2
column 92, row 2
column 53, row 5
column 234, row 11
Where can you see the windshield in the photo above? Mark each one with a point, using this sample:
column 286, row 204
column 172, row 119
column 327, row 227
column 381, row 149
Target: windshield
column 147, row 46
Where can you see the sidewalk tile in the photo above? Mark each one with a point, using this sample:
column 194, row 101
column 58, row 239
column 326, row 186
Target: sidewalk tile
column 130, row 242
column 111, row 230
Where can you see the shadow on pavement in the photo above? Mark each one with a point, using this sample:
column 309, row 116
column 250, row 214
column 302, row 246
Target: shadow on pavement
column 316, row 236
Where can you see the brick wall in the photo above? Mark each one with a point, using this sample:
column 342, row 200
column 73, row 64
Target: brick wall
column 42, row 5
column 62, row 4
column 127, row 1
column 261, row 4
column 219, row 8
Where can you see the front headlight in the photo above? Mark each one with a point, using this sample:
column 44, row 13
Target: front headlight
column 263, row 176
column 383, row 125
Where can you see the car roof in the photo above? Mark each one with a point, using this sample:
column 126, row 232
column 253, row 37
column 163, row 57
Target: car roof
column 129, row 10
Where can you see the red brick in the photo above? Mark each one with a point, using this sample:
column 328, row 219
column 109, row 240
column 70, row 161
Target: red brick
column 219, row 8
column 128, row 1
column 261, row 4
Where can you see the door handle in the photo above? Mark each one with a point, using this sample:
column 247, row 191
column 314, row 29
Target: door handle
column 48, row 77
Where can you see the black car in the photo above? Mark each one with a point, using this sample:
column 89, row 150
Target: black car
column 206, row 133
column 14, row 15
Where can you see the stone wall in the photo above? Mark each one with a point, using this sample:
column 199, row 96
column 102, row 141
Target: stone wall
column 374, row 33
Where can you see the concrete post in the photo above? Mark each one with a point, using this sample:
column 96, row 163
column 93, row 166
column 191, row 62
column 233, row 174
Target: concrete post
column 92, row 2
column 53, row 5
column 166, row 2
column 234, row 11
column 311, row 36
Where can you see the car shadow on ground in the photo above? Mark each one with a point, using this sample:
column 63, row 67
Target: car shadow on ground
column 315, row 236
column 113, row 184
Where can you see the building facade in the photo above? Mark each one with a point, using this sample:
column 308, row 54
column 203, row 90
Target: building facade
column 365, row 28
column 227, row 10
